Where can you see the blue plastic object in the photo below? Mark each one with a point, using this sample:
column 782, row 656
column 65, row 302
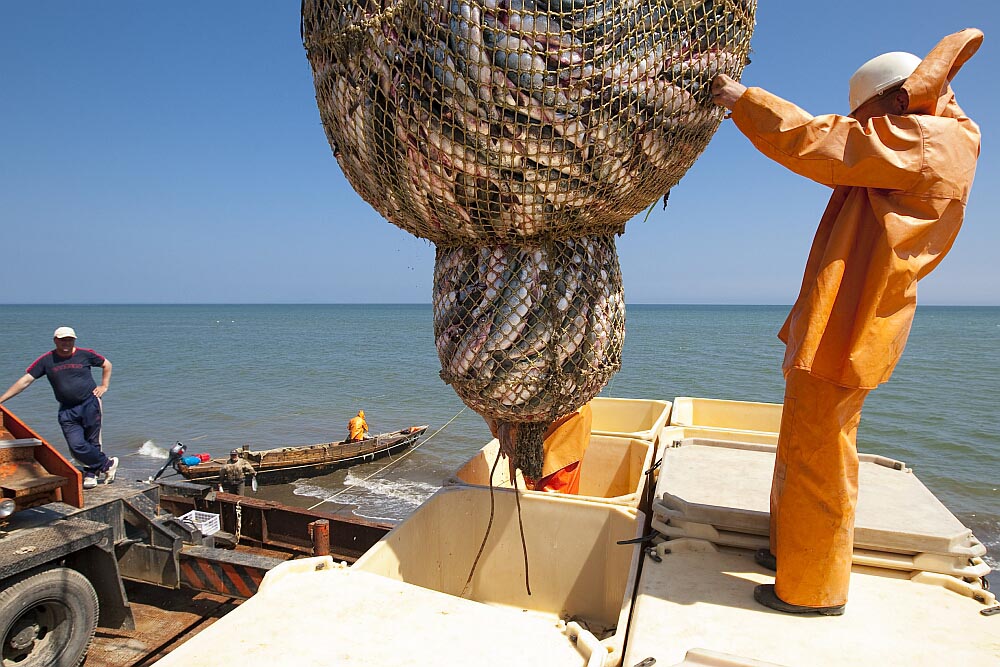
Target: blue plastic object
column 191, row 460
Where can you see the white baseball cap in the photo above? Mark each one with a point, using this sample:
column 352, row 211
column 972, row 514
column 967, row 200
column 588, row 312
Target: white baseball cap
column 64, row 332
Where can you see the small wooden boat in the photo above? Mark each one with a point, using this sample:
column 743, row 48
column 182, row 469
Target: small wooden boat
column 286, row 464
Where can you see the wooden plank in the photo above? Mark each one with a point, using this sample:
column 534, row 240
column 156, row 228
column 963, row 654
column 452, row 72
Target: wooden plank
column 33, row 484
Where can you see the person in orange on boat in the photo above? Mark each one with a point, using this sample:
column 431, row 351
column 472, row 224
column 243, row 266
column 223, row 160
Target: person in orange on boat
column 901, row 167
column 565, row 443
column 357, row 428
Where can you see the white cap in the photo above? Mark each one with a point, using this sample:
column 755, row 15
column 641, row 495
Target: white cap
column 880, row 74
column 64, row 332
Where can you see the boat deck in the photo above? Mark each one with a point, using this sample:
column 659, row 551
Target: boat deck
column 164, row 619
column 917, row 586
column 921, row 605
column 699, row 599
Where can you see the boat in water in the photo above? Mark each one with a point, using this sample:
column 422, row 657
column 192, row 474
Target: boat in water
column 651, row 564
column 281, row 465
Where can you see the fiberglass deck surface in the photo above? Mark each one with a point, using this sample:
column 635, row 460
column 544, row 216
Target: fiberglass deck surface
column 704, row 600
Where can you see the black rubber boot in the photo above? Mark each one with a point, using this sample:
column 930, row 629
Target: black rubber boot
column 765, row 595
column 766, row 559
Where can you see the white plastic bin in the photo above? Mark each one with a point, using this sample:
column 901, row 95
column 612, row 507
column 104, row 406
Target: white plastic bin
column 404, row 603
column 578, row 572
column 206, row 522
column 315, row 612
column 672, row 434
column 642, row 419
column 612, row 470
column 729, row 415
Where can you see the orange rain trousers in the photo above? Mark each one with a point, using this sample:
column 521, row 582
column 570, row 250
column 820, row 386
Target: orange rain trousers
column 566, row 441
column 814, row 492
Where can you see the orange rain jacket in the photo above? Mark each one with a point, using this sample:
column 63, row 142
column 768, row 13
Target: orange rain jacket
column 357, row 428
column 901, row 184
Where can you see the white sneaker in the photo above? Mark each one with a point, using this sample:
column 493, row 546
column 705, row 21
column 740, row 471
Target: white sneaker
column 109, row 474
column 89, row 481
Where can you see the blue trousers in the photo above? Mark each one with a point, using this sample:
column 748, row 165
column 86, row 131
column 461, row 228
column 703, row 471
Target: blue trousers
column 81, row 426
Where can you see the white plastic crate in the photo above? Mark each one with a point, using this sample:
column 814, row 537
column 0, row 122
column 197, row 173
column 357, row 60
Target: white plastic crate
column 206, row 522
column 613, row 470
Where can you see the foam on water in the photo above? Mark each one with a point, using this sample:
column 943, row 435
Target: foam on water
column 152, row 451
column 377, row 499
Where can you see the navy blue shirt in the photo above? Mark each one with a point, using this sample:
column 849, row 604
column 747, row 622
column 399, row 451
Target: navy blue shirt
column 70, row 376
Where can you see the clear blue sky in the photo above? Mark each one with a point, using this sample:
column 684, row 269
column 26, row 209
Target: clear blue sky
column 172, row 152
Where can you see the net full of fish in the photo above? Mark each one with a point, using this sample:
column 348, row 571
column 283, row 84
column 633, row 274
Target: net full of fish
column 520, row 136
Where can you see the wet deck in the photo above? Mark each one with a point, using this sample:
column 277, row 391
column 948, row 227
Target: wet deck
column 164, row 619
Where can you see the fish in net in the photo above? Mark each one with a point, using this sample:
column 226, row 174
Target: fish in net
column 520, row 136
column 527, row 333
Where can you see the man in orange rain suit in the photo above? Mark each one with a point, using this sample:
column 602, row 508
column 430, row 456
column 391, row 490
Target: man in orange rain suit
column 565, row 442
column 357, row 428
column 901, row 166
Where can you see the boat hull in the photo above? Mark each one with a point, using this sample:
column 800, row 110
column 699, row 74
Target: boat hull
column 291, row 463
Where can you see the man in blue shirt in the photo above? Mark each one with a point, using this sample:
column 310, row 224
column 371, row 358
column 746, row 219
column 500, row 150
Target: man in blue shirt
column 80, row 414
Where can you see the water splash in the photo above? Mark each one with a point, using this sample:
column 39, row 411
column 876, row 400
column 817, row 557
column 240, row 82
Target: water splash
column 152, row 451
column 375, row 499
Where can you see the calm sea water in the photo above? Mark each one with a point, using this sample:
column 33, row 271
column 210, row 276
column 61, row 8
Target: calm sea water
column 219, row 376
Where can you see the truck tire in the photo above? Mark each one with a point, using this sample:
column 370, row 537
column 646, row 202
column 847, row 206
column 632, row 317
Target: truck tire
column 48, row 619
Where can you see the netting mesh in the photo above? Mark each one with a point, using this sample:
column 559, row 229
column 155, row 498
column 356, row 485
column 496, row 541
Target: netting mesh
column 520, row 136
column 529, row 333
column 489, row 121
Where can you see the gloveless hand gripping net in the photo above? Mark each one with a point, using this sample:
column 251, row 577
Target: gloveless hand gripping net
column 520, row 136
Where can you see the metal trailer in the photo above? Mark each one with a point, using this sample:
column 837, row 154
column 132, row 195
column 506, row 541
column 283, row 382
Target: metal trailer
column 64, row 554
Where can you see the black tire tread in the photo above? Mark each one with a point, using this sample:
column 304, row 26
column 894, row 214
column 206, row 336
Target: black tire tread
column 13, row 600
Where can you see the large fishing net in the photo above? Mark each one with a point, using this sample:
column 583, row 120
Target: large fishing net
column 520, row 136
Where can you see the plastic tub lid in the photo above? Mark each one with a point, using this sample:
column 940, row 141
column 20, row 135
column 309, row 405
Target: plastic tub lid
column 728, row 484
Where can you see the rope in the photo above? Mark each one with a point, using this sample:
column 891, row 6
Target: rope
column 489, row 527
column 520, row 525
column 392, row 463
